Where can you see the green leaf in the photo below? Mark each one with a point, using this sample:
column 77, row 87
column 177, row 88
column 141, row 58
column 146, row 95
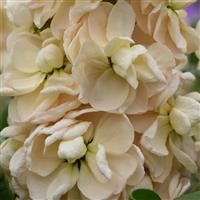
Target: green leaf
column 5, row 191
column 4, row 101
column 144, row 194
column 191, row 196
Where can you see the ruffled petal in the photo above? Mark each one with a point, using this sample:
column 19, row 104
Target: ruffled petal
column 63, row 182
column 110, row 92
column 91, row 187
column 155, row 137
column 125, row 23
column 115, row 133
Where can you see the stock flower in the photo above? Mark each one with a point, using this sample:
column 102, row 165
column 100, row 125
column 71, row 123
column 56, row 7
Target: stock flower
column 91, row 159
column 47, row 79
column 51, row 102
column 99, row 25
column 18, row 79
column 109, row 77
column 166, row 25
column 171, row 135
column 69, row 14
column 43, row 10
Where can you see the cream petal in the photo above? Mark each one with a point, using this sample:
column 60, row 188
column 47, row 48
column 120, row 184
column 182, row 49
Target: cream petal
column 118, row 182
column 24, row 61
column 180, row 155
column 115, row 132
column 55, row 113
column 140, row 104
column 91, row 187
column 159, row 23
column 35, row 155
column 24, row 83
column 143, row 121
column 61, row 124
column 90, row 73
column 159, row 166
column 147, row 69
column 192, row 38
column 60, row 82
column 124, row 26
column 178, row 185
column 102, row 162
column 90, row 51
column 97, row 21
column 189, row 107
column 165, row 59
column 174, row 30
column 45, row 11
column 155, row 137
column 76, row 130
column 123, row 165
column 72, row 49
column 72, row 150
column 15, row 130
column 170, row 88
column 60, row 20
column 22, row 109
column 92, row 164
column 17, row 166
column 117, row 43
column 37, row 185
column 139, row 172
column 109, row 92
column 80, row 9
column 179, row 121
column 145, row 183
column 63, row 182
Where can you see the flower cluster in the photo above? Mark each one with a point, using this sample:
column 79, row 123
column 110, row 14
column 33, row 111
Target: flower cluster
column 100, row 105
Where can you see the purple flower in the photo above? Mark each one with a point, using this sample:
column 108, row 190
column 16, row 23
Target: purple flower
column 193, row 12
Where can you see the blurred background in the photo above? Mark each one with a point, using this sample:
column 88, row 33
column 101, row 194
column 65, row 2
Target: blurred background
column 5, row 27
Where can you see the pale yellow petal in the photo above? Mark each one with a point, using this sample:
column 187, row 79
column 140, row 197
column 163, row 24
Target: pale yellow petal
column 110, row 92
column 124, row 25
column 115, row 132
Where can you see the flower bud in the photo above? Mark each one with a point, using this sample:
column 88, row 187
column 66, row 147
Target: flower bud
column 72, row 150
column 180, row 4
column 49, row 58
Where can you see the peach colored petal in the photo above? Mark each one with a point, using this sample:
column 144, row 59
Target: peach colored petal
column 122, row 133
column 109, row 92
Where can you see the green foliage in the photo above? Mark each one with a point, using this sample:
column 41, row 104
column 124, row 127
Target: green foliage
column 144, row 194
column 46, row 25
column 5, row 191
column 190, row 196
column 192, row 67
column 3, row 112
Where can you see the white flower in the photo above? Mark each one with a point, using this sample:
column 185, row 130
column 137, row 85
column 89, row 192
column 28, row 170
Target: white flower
column 164, row 24
column 108, row 80
column 28, row 69
column 97, row 22
column 79, row 157
column 171, row 133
